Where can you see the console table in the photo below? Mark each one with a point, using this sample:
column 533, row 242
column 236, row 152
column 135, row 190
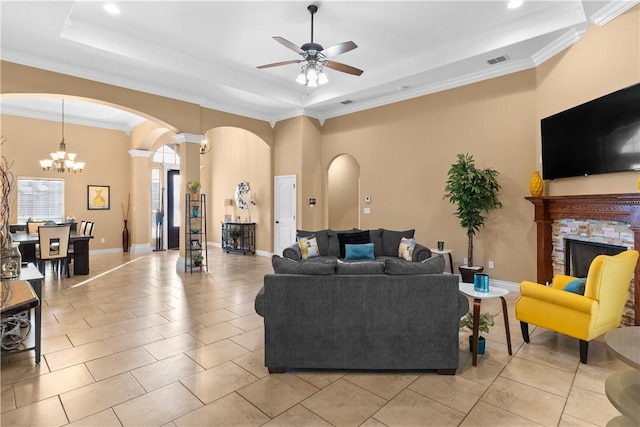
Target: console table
column 239, row 237
column 25, row 298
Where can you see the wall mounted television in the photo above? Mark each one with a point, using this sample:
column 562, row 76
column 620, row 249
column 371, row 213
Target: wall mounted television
column 599, row 136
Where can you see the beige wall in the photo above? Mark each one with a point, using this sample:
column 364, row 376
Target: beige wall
column 238, row 155
column 405, row 149
column 107, row 163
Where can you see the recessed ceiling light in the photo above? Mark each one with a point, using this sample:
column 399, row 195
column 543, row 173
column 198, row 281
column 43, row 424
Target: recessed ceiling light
column 111, row 8
column 513, row 4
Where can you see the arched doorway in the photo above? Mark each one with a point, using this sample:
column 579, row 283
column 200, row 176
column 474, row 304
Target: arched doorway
column 165, row 201
column 343, row 193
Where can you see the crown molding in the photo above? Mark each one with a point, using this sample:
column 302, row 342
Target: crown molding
column 612, row 10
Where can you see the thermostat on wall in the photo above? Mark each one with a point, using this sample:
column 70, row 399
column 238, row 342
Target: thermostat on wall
column 367, row 199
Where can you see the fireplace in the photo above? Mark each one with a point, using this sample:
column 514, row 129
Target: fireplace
column 619, row 208
column 579, row 254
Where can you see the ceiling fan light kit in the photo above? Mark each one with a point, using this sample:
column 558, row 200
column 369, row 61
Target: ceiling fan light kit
column 315, row 58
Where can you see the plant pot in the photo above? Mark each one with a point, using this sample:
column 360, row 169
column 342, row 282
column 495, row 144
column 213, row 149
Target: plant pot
column 481, row 344
column 467, row 272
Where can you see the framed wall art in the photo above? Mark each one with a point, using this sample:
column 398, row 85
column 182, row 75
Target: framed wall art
column 98, row 197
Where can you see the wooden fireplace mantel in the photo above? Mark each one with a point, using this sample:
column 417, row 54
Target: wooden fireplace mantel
column 608, row 207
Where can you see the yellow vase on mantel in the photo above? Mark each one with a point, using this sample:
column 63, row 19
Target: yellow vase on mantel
column 536, row 185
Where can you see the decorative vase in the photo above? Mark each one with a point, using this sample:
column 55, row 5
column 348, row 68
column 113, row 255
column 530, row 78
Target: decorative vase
column 194, row 211
column 481, row 344
column 536, row 185
column 11, row 260
column 125, row 238
column 195, row 196
column 481, row 282
column 468, row 273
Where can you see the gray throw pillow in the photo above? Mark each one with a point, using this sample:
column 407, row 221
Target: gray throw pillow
column 289, row 266
column 359, row 267
column 391, row 241
column 401, row 267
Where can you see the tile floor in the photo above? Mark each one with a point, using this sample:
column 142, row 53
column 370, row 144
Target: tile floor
column 137, row 343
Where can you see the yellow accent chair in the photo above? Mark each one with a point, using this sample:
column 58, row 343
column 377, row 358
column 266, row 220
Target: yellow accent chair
column 582, row 317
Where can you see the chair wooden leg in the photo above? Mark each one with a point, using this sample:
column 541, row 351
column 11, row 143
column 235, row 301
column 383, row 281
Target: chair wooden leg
column 584, row 349
column 524, row 327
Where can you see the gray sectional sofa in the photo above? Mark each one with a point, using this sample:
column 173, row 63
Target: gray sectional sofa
column 381, row 314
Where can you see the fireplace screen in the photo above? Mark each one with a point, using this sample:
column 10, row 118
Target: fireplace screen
column 579, row 254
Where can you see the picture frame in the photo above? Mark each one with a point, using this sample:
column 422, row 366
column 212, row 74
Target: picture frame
column 195, row 244
column 98, row 197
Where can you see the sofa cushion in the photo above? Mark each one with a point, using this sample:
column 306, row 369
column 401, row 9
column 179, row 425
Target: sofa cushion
column 405, row 250
column 322, row 238
column 391, row 241
column 359, row 267
column 375, row 237
column 401, row 267
column 308, row 247
column 359, row 251
column 289, row 266
column 352, row 237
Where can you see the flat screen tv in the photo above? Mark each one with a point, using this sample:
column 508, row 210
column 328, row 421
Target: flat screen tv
column 599, row 136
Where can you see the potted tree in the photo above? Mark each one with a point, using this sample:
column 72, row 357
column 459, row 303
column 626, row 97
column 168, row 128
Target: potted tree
column 475, row 193
column 486, row 320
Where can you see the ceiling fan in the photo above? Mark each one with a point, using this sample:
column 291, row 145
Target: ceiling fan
column 315, row 57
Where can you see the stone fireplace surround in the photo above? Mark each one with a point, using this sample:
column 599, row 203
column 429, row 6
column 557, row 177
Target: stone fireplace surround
column 622, row 208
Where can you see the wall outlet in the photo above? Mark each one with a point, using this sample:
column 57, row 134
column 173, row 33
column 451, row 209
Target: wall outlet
column 492, row 265
column 464, row 261
column 366, row 210
column 102, row 240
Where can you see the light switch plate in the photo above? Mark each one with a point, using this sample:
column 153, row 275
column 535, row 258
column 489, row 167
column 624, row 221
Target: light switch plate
column 366, row 210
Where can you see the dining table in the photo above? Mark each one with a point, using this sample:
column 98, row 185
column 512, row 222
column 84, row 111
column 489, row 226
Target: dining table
column 28, row 242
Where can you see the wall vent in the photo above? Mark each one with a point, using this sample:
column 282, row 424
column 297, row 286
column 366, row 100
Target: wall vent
column 498, row 59
column 347, row 102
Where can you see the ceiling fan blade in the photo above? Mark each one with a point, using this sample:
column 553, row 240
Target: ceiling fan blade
column 339, row 48
column 338, row 66
column 277, row 64
column 287, row 43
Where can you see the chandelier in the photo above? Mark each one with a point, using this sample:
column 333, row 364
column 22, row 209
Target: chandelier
column 62, row 161
column 312, row 74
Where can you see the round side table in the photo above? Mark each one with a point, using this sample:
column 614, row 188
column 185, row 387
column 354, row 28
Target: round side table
column 467, row 289
column 444, row 252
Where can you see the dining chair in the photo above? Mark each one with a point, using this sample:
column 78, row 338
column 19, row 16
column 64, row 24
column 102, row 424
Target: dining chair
column 54, row 247
column 32, row 226
column 86, row 229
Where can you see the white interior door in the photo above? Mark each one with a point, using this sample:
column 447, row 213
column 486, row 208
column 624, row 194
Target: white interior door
column 285, row 212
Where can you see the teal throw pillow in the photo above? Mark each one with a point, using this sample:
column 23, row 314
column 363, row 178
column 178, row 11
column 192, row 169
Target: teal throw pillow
column 361, row 251
column 576, row 286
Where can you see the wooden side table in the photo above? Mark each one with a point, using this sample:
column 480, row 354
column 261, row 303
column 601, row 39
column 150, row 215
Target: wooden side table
column 444, row 252
column 467, row 289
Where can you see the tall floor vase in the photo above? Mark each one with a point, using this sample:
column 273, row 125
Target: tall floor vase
column 125, row 238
